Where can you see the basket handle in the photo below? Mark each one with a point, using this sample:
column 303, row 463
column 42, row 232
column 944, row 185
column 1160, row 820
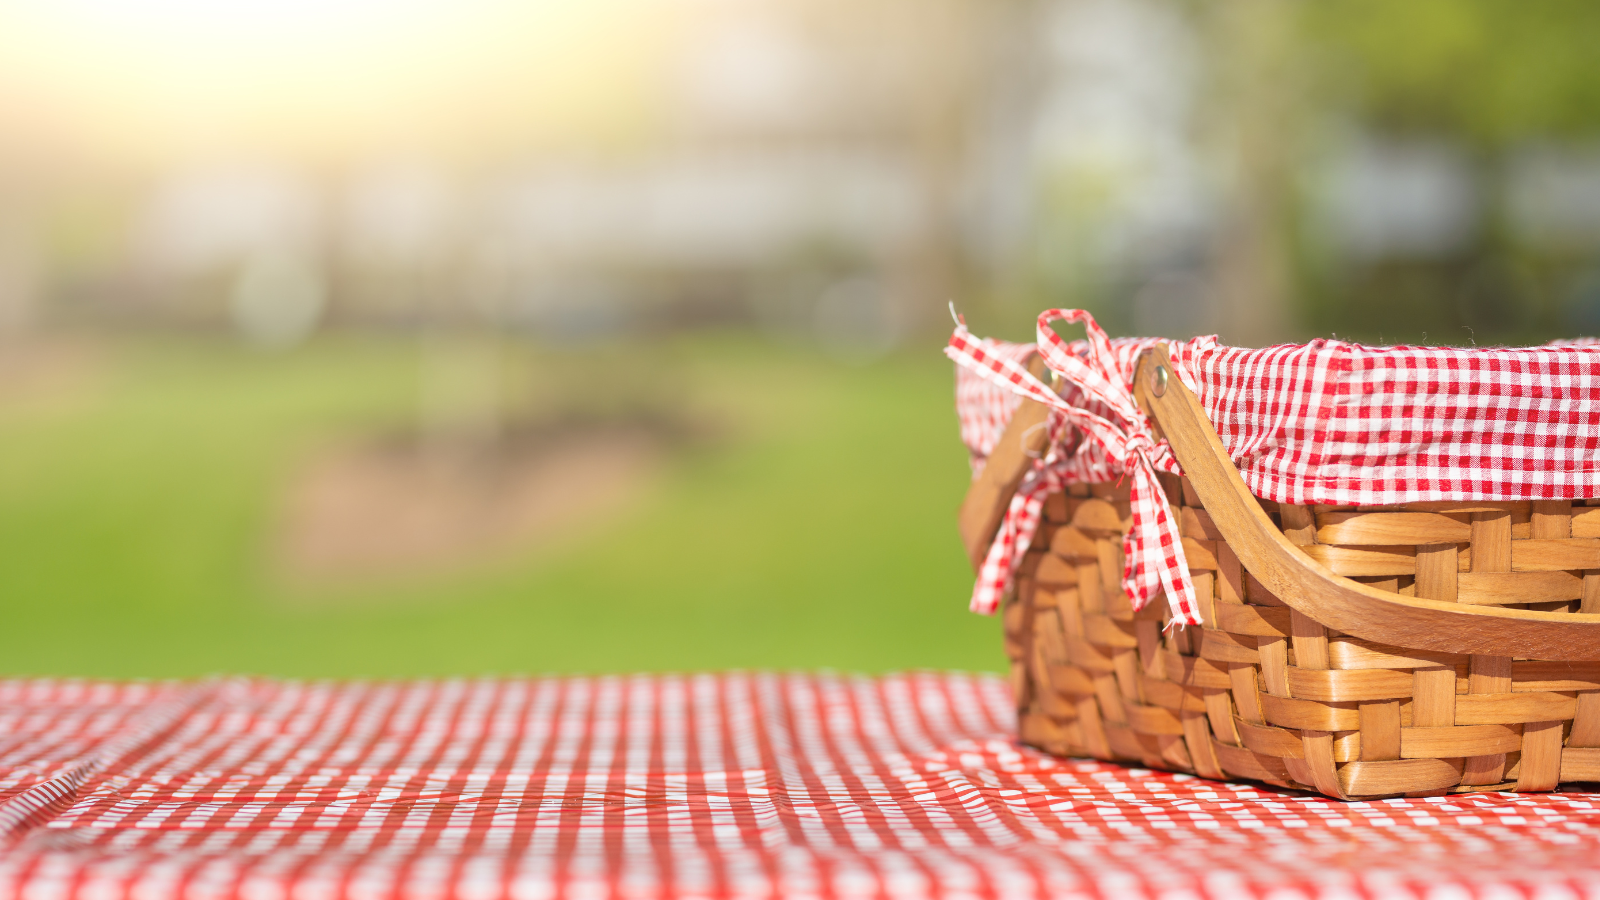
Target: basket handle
column 990, row 493
column 1309, row 587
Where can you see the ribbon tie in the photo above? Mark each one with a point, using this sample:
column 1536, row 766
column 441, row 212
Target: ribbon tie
column 1152, row 547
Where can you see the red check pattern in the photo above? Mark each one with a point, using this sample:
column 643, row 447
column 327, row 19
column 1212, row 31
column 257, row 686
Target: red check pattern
column 711, row 786
column 985, row 407
column 1327, row 422
column 1109, row 436
column 1331, row 422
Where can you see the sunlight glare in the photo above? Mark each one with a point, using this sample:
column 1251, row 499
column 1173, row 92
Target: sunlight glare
column 319, row 76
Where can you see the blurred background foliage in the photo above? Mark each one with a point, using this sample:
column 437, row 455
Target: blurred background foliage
column 355, row 337
column 1494, row 74
column 1505, row 94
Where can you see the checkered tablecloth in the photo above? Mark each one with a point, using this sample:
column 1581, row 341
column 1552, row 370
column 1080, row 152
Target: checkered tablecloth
column 696, row 786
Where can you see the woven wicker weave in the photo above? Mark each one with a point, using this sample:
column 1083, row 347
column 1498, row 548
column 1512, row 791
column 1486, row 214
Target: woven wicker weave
column 1264, row 692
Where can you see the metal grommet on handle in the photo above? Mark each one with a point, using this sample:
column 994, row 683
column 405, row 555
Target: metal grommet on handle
column 1158, row 381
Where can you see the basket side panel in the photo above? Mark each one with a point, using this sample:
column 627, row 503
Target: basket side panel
column 1263, row 693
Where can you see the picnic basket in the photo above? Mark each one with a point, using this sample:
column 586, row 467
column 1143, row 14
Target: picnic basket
column 1357, row 651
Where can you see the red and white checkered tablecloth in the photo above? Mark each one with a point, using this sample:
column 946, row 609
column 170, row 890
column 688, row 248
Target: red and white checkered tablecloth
column 740, row 785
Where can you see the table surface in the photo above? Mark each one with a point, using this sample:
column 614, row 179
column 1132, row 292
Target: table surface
column 734, row 785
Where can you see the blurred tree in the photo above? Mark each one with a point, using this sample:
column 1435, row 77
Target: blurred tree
column 1495, row 79
column 1256, row 85
column 1490, row 71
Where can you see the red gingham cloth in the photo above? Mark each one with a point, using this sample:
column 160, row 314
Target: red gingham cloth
column 1109, row 436
column 1325, row 422
column 984, row 407
column 713, row 786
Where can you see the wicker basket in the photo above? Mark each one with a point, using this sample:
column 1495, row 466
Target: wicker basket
column 1359, row 652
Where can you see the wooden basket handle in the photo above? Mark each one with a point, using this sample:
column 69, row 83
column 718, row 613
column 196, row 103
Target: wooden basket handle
column 990, row 493
column 1309, row 587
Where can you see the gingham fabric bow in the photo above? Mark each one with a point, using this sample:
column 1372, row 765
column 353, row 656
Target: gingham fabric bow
column 1153, row 549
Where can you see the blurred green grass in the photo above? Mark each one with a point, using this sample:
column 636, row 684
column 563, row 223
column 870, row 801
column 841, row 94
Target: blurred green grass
column 818, row 531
